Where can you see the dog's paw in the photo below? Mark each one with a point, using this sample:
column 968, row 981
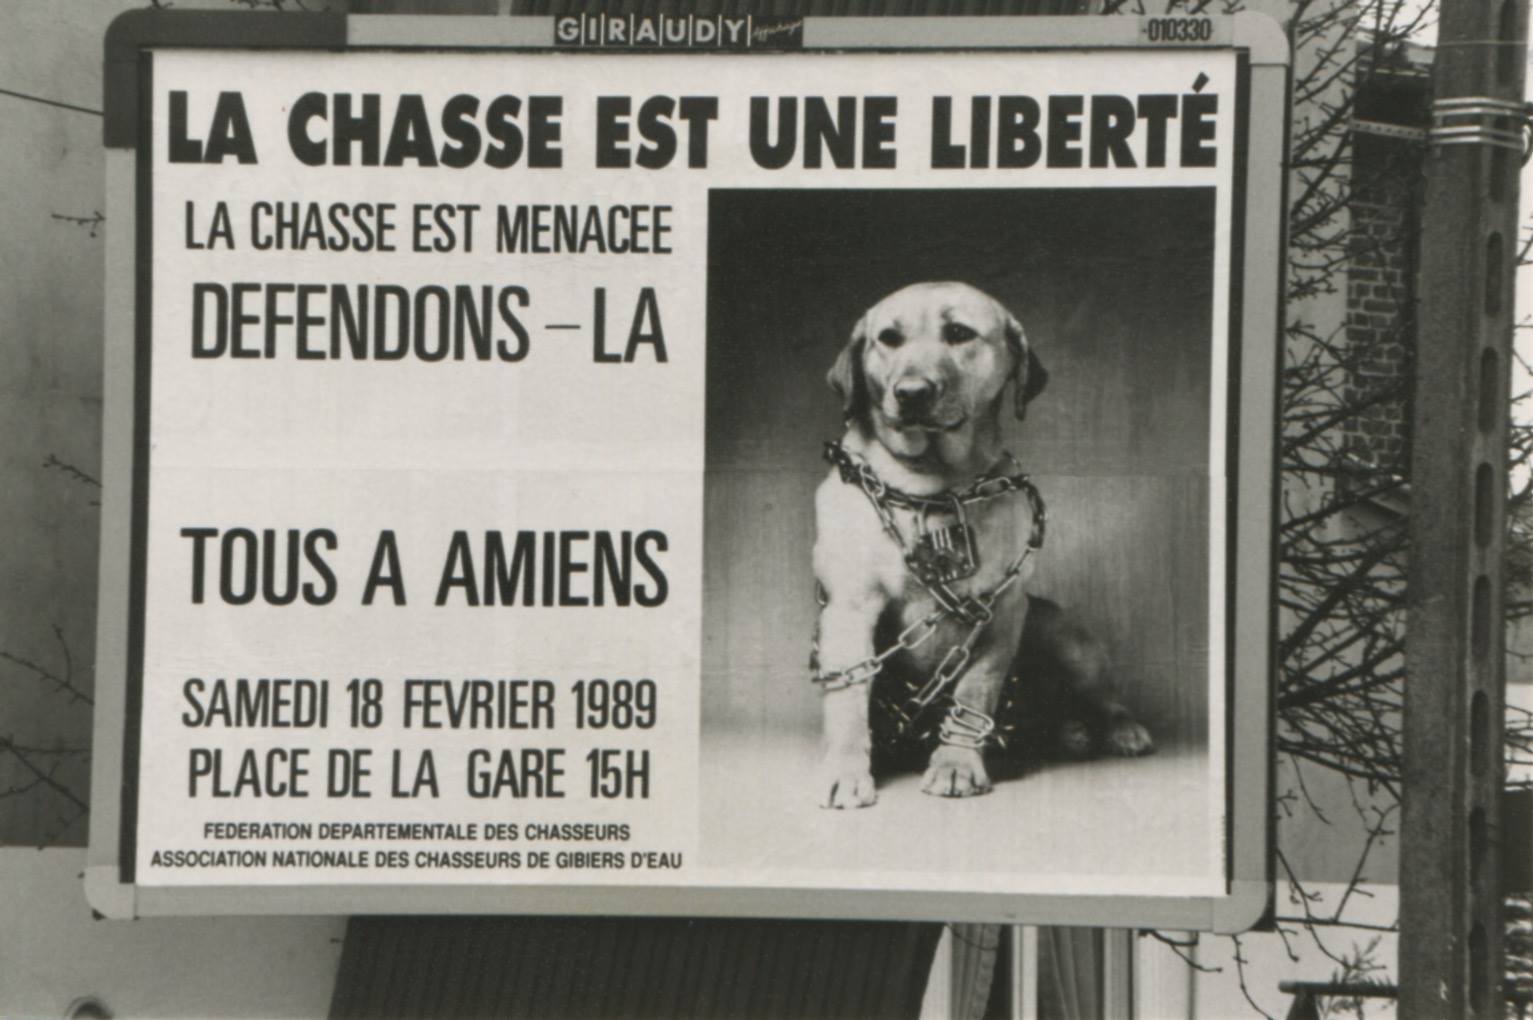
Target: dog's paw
column 956, row 772
column 1127, row 739
column 1074, row 739
column 847, row 784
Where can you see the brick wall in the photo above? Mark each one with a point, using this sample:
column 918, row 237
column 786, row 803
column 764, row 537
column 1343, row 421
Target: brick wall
column 1380, row 330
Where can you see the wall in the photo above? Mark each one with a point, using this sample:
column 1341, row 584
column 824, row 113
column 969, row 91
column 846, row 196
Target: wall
column 50, row 397
column 51, row 950
column 1380, row 302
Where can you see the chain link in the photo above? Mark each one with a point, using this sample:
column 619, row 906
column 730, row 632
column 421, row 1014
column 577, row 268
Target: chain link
column 917, row 634
column 966, row 727
column 953, row 663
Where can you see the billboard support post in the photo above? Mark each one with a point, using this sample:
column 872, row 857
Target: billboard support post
column 1451, row 958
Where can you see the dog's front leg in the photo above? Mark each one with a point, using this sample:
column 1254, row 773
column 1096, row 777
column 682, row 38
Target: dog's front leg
column 846, row 640
column 957, row 766
column 855, row 570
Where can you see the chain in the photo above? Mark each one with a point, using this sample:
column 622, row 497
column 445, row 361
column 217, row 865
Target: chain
column 966, row 727
column 911, row 638
column 963, row 726
column 855, row 470
column 957, row 658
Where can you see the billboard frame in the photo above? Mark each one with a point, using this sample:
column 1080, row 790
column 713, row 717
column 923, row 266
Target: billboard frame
column 1257, row 262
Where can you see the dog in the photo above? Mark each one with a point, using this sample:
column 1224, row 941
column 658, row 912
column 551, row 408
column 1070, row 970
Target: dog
column 923, row 550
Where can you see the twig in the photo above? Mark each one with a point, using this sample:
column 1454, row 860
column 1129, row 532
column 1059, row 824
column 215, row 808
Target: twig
column 93, row 222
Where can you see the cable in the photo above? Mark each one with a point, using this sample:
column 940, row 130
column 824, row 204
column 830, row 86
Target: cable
column 50, row 102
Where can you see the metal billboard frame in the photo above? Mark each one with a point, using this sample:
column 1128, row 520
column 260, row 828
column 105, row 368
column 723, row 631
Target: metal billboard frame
column 1256, row 262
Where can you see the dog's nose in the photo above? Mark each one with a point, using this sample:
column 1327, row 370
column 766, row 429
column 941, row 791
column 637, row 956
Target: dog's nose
column 914, row 395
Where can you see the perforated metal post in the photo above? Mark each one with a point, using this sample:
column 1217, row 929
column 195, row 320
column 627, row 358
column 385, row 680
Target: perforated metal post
column 1451, row 959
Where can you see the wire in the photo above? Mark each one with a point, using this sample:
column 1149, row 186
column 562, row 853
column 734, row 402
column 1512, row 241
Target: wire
column 50, row 102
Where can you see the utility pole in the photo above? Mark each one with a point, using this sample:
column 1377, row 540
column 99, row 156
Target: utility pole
column 1451, row 920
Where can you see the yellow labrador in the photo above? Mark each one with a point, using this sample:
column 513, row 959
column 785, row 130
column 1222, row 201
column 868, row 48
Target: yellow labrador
column 923, row 545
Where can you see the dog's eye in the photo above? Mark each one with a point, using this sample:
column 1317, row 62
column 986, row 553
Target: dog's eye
column 891, row 338
column 957, row 333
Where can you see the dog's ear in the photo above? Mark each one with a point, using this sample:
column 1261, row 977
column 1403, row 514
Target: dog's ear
column 845, row 376
column 1028, row 376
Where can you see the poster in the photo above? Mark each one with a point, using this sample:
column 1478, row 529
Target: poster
column 514, row 425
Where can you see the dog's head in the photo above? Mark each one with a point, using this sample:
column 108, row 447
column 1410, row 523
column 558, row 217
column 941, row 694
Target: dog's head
column 932, row 359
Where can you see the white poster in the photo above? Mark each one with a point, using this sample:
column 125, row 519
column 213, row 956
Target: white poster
column 695, row 471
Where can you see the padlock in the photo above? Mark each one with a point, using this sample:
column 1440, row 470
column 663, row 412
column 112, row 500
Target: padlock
column 947, row 553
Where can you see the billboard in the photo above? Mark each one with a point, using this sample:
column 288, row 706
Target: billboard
column 704, row 465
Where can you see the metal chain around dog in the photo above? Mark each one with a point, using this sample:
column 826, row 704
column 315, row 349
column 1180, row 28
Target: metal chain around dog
column 936, row 563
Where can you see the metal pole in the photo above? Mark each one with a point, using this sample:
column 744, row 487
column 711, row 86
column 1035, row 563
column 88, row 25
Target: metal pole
column 1451, row 926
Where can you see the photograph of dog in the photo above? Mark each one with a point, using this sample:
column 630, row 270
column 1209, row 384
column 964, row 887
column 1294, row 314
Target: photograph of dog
column 962, row 594
column 922, row 556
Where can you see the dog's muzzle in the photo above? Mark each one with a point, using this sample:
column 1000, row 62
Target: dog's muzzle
column 915, row 397
column 918, row 405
